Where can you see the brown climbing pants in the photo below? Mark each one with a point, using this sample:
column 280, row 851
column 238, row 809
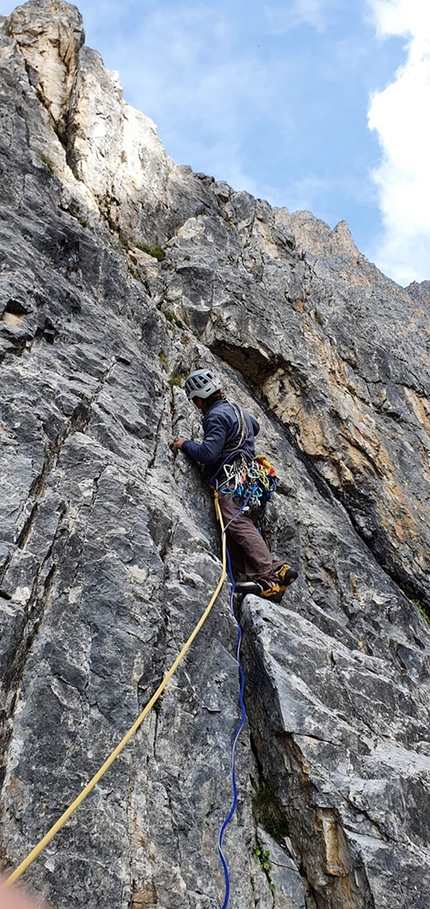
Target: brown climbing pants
column 249, row 554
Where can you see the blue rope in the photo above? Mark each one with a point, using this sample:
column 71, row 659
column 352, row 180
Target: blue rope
column 235, row 739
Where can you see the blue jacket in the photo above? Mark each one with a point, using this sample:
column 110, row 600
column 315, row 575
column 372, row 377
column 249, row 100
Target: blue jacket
column 224, row 435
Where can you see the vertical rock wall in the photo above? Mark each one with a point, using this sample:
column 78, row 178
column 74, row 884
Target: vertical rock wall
column 120, row 272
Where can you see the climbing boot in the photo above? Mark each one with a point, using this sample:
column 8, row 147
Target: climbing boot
column 286, row 575
column 242, row 588
column 272, row 592
column 261, row 588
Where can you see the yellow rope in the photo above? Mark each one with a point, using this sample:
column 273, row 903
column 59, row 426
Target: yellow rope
column 88, row 788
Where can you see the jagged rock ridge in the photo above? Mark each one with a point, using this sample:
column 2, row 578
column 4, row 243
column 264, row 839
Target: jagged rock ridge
column 109, row 550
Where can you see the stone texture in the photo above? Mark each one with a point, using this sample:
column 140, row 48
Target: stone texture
column 344, row 724
column 119, row 273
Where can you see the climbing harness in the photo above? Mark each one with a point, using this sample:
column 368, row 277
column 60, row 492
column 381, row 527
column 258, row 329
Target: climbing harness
column 15, row 875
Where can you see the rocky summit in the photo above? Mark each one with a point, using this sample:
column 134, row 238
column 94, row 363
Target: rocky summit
column 120, row 272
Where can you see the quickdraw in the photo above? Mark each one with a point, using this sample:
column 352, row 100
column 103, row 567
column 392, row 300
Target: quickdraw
column 254, row 480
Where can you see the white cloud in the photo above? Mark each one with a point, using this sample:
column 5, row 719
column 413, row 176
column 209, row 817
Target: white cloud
column 282, row 16
column 400, row 116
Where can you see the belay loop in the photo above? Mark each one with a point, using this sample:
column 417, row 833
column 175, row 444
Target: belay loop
column 253, row 480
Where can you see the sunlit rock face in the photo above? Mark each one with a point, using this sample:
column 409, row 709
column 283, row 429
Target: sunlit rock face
column 119, row 273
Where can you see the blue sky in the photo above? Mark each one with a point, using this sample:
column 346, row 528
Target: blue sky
column 278, row 96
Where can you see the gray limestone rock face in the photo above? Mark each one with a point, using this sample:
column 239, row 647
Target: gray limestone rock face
column 344, row 723
column 120, row 272
column 338, row 352
column 112, row 153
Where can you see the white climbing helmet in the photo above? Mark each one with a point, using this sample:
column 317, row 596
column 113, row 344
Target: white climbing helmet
column 201, row 384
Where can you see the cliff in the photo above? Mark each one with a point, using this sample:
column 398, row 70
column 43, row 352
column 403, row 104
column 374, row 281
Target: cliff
column 120, row 272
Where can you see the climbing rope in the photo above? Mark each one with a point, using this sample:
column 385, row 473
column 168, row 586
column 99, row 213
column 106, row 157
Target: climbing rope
column 112, row 757
column 235, row 739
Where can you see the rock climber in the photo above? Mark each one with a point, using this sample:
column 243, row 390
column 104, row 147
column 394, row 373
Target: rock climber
column 226, row 454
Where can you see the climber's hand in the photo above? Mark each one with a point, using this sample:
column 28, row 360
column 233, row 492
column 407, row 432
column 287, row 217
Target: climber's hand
column 177, row 444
